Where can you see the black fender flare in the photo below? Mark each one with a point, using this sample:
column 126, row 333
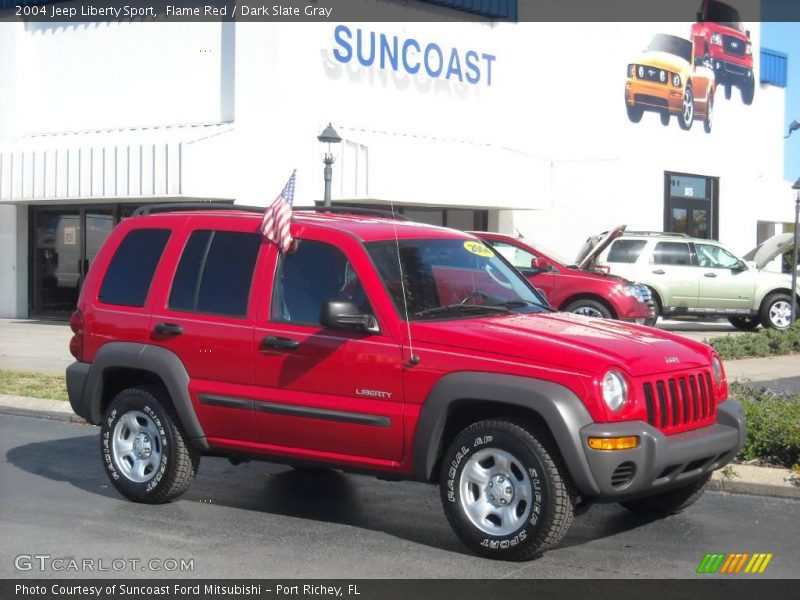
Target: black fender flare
column 558, row 407
column 154, row 359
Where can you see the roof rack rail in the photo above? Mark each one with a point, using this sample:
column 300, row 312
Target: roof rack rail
column 657, row 233
column 350, row 210
column 150, row 209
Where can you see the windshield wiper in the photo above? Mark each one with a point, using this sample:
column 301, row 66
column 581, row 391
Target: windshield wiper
column 462, row 308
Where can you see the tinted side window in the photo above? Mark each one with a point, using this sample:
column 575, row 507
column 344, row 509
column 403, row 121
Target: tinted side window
column 215, row 273
column 131, row 270
column 671, row 253
column 314, row 273
column 625, row 251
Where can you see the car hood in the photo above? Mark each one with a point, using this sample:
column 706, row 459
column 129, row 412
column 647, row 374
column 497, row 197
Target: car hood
column 595, row 245
column 662, row 60
column 568, row 341
column 767, row 250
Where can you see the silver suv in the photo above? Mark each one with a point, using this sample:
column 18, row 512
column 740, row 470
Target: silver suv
column 699, row 278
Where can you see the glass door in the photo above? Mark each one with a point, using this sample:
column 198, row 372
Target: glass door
column 64, row 242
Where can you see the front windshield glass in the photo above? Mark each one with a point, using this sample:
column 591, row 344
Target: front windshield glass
column 672, row 45
column 450, row 279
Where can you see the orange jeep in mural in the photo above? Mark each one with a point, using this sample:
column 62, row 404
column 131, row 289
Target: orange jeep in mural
column 668, row 78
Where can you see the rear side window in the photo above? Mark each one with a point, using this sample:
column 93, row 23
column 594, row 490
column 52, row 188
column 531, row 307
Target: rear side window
column 127, row 280
column 625, row 251
column 671, row 253
column 215, row 273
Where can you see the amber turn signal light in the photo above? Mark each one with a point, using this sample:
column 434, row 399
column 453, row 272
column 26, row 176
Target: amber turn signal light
column 615, row 443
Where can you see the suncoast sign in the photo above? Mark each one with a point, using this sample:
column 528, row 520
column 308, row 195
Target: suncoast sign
column 437, row 61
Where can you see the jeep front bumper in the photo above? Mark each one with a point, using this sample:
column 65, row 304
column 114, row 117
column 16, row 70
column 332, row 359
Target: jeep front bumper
column 661, row 462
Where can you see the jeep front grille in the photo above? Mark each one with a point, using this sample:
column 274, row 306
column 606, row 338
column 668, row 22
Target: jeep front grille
column 733, row 45
column 679, row 403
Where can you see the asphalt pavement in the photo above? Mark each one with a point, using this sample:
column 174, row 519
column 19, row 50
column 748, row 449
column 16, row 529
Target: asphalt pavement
column 269, row 521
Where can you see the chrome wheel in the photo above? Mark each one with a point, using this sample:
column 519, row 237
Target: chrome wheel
column 688, row 107
column 137, row 448
column 588, row 311
column 780, row 314
column 495, row 492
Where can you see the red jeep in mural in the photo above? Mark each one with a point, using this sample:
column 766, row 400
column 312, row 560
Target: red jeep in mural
column 671, row 77
column 720, row 37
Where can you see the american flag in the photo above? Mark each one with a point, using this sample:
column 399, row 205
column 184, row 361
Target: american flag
column 278, row 216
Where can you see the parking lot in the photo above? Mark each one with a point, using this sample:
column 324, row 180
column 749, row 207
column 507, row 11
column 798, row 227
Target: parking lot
column 263, row 520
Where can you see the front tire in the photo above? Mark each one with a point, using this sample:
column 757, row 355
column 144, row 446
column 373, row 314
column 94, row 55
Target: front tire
column 671, row 502
column 686, row 118
column 504, row 492
column 748, row 91
column 665, row 118
column 709, row 113
column 776, row 311
column 146, row 454
column 634, row 112
column 589, row 308
column 744, row 323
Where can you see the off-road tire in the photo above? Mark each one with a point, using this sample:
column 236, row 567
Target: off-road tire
column 665, row 117
column 671, row 502
column 176, row 469
column 589, row 308
column 744, row 323
column 551, row 509
column 766, row 307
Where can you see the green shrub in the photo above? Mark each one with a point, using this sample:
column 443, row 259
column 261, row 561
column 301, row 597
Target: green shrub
column 773, row 425
column 765, row 342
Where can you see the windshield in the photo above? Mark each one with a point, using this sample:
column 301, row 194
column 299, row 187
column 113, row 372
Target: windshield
column 673, row 45
column 451, row 279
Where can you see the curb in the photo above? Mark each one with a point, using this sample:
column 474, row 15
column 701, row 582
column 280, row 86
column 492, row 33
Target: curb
column 749, row 480
column 40, row 408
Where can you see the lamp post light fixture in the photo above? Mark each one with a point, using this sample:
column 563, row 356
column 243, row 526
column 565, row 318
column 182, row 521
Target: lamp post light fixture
column 328, row 136
column 795, row 187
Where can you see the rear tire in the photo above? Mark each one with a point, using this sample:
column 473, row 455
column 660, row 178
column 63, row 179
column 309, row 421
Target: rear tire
column 589, row 308
column 146, row 454
column 671, row 502
column 744, row 323
column 776, row 311
column 503, row 491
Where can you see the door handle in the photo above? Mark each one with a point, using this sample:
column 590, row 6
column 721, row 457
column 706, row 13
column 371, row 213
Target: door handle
column 168, row 329
column 659, row 271
column 279, row 343
column 710, row 275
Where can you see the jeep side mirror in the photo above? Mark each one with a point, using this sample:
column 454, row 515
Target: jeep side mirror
column 740, row 266
column 343, row 315
column 538, row 264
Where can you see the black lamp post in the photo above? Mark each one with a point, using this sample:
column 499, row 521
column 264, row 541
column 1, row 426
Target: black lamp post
column 328, row 136
column 795, row 187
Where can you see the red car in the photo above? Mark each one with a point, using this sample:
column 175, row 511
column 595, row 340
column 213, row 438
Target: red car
column 719, row 36
column 570, row 288
column 393, row 348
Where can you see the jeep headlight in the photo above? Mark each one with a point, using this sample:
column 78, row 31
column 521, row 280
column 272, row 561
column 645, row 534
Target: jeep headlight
column 716, row 367
column 716, row 39
column 676, row 80
column 615, row 390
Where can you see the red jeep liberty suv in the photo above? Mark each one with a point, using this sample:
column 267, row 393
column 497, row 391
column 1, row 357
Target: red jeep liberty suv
column 394, row 348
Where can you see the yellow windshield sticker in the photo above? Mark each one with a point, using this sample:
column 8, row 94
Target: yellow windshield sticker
column 479, row 249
